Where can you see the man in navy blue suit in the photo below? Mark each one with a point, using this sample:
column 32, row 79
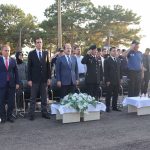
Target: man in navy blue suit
column 8, row 83
column 67, row 72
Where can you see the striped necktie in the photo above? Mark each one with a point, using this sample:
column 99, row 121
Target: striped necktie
column 40, row 56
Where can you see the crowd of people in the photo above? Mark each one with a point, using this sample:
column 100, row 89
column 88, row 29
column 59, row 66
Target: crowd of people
column 98, row 66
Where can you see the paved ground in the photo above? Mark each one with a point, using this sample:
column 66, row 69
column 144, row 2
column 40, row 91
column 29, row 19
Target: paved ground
column 115, row 131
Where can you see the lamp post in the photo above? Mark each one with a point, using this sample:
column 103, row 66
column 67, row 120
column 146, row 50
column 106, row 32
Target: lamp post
column 59, row 25
column 20, row 39
column 109, row 38
column 20, row 34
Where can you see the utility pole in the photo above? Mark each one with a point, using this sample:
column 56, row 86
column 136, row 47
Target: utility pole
column 109, row 38
column 59, row 25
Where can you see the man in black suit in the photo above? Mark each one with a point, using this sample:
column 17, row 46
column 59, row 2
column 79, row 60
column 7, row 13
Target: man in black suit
column 112, row 73
column 9, row 81
column 94, row 74
column 146, row 65
column 38, row 77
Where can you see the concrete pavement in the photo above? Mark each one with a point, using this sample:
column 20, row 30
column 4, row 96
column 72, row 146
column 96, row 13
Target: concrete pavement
column 115, row 131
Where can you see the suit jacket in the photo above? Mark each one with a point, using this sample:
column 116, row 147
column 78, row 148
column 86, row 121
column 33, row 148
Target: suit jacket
column 12, row 72
column 94, row 72
column 112, row 71
column 38, row 71
column 64, row 72
column 146, row 62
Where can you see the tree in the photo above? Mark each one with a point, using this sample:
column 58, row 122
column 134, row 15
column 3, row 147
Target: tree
column 75, row 15
column 122, row 24
column 82, row 23
column 13, row 21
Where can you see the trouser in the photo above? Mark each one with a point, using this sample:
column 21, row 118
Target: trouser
column 112, row 92
column 145, row 82
column 134, row 83
column 66, row 89
column 35, row 89
column 82, row 83
column 93, row 90
column 7, row 96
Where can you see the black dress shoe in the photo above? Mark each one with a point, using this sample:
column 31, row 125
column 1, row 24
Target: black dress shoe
column 116, row 109
column 11, row 120
column 31, row 117
column 46, row 116
column 108, row 110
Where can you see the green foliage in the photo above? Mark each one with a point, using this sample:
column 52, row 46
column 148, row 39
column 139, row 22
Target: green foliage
column 12, row 21
column 82, row 23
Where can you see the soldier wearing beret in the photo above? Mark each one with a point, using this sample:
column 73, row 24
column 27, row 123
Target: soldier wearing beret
column 94, row 74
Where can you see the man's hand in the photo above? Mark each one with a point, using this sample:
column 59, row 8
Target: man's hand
column 48, row 82
column 121, row 81
column 59, row 83
column 30, row 83
column 107, row 83
column 77, row 82
column 144, row 69
column 89, row 52
column 17, row 86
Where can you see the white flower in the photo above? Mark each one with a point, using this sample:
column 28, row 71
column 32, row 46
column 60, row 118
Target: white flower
column 79, row 101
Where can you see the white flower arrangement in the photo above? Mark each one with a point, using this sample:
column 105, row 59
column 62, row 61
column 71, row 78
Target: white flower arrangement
column 79, row 101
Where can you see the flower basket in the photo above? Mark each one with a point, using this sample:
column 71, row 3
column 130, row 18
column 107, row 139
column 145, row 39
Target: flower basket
column 79, row 102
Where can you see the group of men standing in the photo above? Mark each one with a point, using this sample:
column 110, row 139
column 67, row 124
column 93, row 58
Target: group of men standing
column 95, row 68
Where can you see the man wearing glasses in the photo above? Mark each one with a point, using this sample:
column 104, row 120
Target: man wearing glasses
column 38, row 78
column 9, row 82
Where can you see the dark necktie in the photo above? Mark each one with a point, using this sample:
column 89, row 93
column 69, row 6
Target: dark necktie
column 69, row 61
column 40, row 56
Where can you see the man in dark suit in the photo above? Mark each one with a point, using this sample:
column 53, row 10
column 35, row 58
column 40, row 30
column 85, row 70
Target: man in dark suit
column 67, row 72
column 38, row 78
column 146, row 69
column 112, row 73
column 94, row 74
column 8, row 83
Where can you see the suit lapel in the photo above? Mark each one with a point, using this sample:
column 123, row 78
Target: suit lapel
column 36, row 56
column 2, row 60
column 113, row 62
column 10, row 63
column 43, row 55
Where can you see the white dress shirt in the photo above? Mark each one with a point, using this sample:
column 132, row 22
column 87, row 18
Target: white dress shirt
column 81, row 67
column 37, row 51
column 5, row 60
column 67, row 58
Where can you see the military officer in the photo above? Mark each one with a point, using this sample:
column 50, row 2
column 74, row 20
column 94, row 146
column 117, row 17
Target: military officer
column 94, row 74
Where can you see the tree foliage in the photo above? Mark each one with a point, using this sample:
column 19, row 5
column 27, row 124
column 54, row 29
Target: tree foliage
column 83, row 23
column 13, row 21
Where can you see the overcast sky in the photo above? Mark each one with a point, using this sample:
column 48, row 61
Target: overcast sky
column 141, row 7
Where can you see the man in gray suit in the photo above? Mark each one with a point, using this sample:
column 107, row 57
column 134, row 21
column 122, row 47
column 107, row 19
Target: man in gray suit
column 67, row 72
